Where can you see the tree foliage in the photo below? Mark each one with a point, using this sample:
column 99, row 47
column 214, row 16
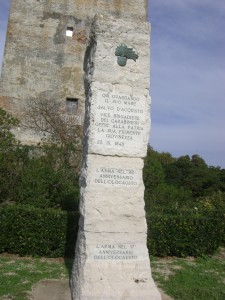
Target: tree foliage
column 45, row 183
column 45, row 176
column 48, row 120
column 12, row 157
column 180, row 182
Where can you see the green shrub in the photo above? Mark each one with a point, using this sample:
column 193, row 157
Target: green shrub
column 165, row 195
column 42, row 185
column 46, row 181
column 26, row 230
column 184, row 232
column 12, row 157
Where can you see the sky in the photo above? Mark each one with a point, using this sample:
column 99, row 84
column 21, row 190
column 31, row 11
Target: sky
column 187, row 76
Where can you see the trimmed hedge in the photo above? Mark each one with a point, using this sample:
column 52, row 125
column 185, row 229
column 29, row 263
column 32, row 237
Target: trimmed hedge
column 32, row 231
column 185, row 232
column 26, row 230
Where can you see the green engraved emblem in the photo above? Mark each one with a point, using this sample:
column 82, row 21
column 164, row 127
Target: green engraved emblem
column 124, row 53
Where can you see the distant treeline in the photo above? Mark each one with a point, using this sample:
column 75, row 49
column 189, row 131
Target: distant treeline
column 182, row 182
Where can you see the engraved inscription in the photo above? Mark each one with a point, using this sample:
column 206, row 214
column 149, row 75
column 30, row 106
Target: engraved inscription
column 119, row 120
column 116, row 252
column 116, row 177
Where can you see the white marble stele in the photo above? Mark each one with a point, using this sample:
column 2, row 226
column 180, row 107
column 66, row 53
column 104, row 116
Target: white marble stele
column 112, row 259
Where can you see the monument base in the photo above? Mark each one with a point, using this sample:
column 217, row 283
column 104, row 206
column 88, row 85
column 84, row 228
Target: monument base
column 115, row 269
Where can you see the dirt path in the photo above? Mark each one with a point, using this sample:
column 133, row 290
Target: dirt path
column 59, row 290
column 51, row 290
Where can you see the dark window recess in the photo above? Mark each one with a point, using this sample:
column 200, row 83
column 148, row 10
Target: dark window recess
column 69, row 31
column 71, row 105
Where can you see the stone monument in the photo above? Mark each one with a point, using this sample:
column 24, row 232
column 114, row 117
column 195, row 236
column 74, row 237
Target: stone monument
column 112, row 259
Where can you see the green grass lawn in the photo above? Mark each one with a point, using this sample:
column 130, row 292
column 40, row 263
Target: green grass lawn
column 18, row 275
column 182, row 279
column 191, row 279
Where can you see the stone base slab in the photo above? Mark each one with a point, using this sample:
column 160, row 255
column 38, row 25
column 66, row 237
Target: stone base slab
column 112, row 266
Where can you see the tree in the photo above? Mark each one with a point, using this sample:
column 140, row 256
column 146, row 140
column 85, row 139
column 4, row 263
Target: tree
column 153, row 172
column 12, row 158
column 48, row 120
column 165, row 158
column 43, row 176
column 7, row 123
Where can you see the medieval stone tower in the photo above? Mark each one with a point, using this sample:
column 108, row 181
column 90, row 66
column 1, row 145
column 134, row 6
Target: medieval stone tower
column 45, row 47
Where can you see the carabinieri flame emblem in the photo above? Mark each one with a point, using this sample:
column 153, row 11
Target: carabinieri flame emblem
column 124, row 53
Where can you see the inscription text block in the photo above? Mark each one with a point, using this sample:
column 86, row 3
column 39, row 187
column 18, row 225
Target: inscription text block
column 119, row 121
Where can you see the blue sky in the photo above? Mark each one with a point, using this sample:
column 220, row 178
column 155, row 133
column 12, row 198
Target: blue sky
column 187, row 76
